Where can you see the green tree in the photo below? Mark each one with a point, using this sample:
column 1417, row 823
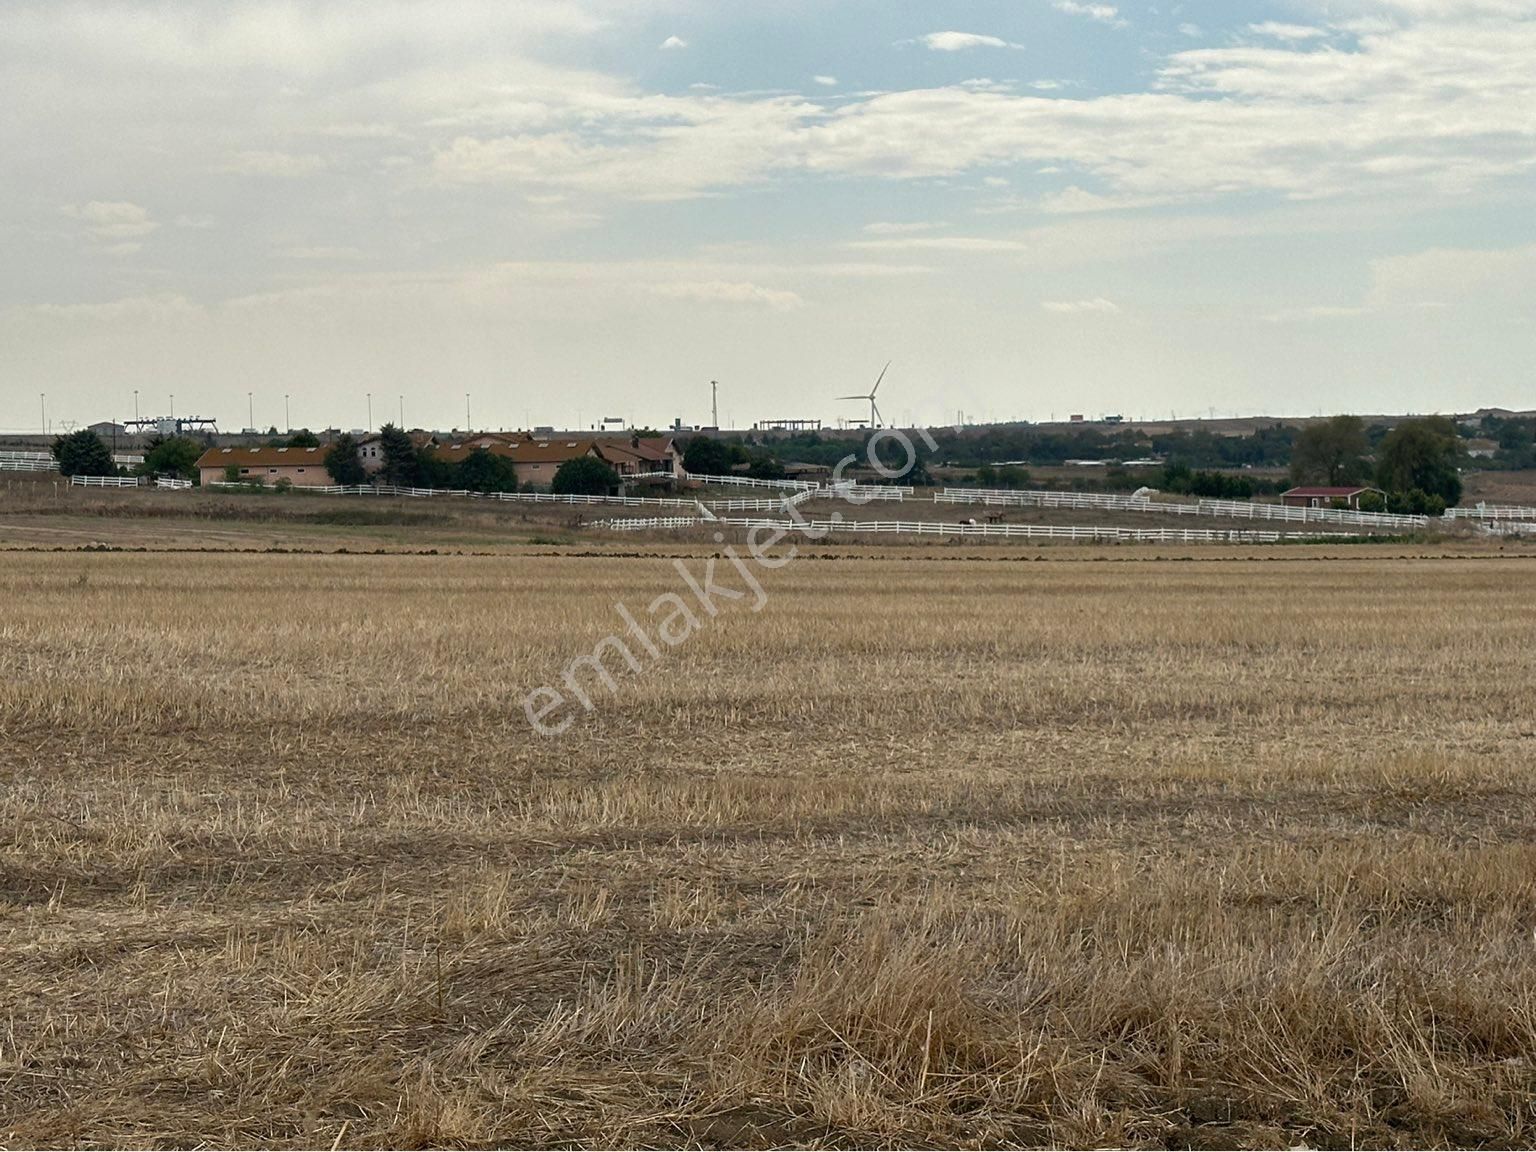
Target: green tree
column 82, row 453
column 706, row 457
column 303, row 438
column 1330, row 452
column 765, row 467
column 986, row 476
column 342, row 462
column 484, row 471
column 1012, row 476
column 584, row 476
column 172, row 456
column 1423, row 456
column 400, row 462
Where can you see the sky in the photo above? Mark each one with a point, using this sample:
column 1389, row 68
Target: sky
column 508, row 214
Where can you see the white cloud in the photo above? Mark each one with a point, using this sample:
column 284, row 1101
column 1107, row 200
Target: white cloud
column 1097, row 305
column 1103, row 13
column 971, row 244
column 1193, row 31
column 826, row 81
column 729, row 292
column 960, row 41
column 898, row 227
column 673, row 44
column 117, row 220
column 268, row 163
column 1290, row 32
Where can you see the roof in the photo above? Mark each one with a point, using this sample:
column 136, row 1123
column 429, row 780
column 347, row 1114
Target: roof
column 457, row 452
column 552, row 451
column 262, row 457
column 1355, row 490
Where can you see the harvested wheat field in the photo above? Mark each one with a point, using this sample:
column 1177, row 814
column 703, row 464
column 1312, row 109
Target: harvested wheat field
column 925, row 853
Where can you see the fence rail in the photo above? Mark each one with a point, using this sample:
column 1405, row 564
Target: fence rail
column 1233, row 508
column 428, row 493
column 1491, row 512
column 1015, row 531
column 108, row 482
column 172, row 483
column 751, row 481
column 27, row 462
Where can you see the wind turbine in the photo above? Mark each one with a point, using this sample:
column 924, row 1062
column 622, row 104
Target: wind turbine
column 874, row 411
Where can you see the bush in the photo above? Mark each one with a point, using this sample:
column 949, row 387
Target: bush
column 585, row 476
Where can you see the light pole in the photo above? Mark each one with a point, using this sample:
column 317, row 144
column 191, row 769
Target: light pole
column 287, row 419
column 250, row 412
column 42, row 399
column 370, row 410
column 402, row 410
column 466, row 412
column 135, row 405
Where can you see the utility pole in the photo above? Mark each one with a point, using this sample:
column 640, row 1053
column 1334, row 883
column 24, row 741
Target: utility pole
column 714, row 402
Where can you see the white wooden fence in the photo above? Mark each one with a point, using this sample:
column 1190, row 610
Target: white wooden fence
column 1243, row 509
column 1491, row 512
column 108, row 482
column 751, row 481
column 19, row 461
column 1014, row 531
column 1310, row 515
column 428, row 493
column 172, row 483
column 27, row 462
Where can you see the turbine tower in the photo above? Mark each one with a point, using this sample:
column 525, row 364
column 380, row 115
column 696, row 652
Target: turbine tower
column 874, row 410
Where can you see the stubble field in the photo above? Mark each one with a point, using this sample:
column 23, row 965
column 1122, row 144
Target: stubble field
column 926, row 852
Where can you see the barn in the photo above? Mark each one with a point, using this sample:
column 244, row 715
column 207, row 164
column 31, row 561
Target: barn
column 1325, row 497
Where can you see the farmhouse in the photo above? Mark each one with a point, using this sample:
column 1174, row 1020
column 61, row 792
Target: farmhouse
column 642, row 456
column 301, row 467
column 1325, row 497
column 537, row 461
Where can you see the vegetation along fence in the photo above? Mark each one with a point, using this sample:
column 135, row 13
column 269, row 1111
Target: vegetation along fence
column 1234, row 508
column 1491, row 512
column 1016, row 531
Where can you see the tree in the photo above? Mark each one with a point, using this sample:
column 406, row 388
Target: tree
column 172, row 456
column 1330, row 452
column 484, row 471
column 1012, row 476
column 400, row 464
column 584, row 476
column 706, row 457
column 343, row 464
column 303, row 438
column 1423, row 456
column 82, row 453
column 765, row 467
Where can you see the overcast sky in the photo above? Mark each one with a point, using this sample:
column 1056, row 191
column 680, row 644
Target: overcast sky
column 594, row 207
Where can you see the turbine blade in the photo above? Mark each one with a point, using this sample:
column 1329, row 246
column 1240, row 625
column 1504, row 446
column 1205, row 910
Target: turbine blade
column 881, row 377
